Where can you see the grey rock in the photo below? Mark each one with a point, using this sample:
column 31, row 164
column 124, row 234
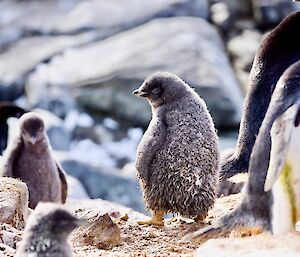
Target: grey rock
column 189, row 47
column 98, row 230
column 119, row 15
column 19, row 18
column 268, row 13
column 105, row 185
column 19, row 59
column 13, row 202
column 242, row 49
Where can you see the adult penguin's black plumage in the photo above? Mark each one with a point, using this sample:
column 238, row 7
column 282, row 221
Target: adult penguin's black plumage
column 278, row 51
column 259, row 207
column 7, row 110
column 272, row 197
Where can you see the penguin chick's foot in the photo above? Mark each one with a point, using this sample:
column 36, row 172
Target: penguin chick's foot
column 156, row 220
column 200, row 219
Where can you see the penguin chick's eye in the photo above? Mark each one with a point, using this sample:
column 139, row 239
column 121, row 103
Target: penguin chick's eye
column 156, row 91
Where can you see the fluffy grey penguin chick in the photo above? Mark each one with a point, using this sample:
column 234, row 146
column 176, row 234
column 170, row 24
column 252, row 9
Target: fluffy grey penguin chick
column 30, row 159
column 178, row 157
column 46, row 232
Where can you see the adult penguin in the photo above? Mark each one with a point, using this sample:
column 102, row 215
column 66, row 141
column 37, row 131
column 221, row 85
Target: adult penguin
column 7, row 110
column 278, row 51
column 272, row 197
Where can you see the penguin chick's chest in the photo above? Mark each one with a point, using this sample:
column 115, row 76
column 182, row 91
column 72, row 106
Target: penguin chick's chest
column 40, row 173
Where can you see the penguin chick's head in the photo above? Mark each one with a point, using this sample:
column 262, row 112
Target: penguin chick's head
column 32, row 127
column 51, row 221
column 161, row 88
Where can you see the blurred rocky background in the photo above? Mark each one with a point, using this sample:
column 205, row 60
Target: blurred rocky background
column 77, row 62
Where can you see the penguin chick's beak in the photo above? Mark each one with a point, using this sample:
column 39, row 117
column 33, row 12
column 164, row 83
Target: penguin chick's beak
column 281, row 133
column 141, row 93
column 33, row 140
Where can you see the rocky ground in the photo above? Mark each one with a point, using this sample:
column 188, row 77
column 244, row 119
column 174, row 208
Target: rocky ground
column 139, row 240
column 112, row 230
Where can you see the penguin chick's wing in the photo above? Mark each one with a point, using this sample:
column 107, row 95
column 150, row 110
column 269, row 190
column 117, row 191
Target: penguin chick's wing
column 64, row 185
column 150, row 144
column 10, row 156
column 281, row 133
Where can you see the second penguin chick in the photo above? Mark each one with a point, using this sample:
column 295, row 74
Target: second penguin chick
column 178, row 157
column 30, row 159
column 46, row 232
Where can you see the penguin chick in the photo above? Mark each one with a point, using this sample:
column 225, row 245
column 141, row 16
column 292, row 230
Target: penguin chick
column 46, row 232
column 278, row 51
column 178, row 158
column 30, row 159
column 274, row 165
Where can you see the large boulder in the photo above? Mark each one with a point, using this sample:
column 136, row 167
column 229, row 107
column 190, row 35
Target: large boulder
column 119, row 15
column 22, row 57
column 113, row 68
column 69, row 17
column 20, row 18
column 13, row 202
